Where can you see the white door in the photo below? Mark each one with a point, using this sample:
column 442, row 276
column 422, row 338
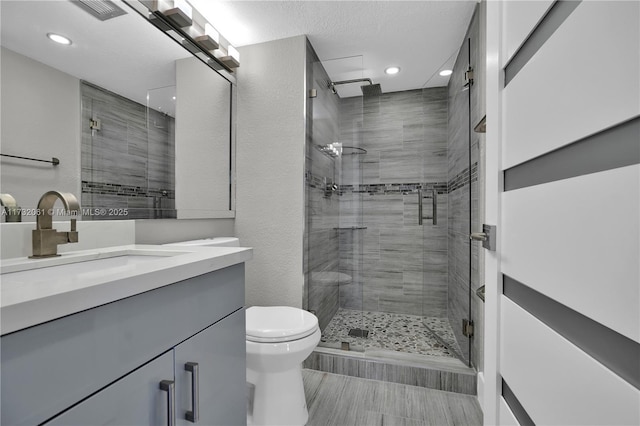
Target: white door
column 563, row 186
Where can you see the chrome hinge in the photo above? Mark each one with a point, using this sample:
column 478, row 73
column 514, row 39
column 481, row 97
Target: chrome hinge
column 468, row 77
column 94, row 124
column 467, row 327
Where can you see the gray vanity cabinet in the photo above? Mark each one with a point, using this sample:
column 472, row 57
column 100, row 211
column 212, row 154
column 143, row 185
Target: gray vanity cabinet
column 211, row 378
column 104, row 365
column 221, row 397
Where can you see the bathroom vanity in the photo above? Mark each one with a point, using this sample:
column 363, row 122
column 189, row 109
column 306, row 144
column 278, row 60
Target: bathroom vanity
column 158, row 340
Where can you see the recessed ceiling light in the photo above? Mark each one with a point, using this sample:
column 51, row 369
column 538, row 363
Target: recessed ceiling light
column 59, row 39
column 392, row 70
column 445, row 73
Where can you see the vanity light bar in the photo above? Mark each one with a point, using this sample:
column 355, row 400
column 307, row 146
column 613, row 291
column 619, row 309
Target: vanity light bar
column 185, row 19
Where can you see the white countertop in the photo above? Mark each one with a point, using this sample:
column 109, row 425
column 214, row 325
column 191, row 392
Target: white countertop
column 44, row 297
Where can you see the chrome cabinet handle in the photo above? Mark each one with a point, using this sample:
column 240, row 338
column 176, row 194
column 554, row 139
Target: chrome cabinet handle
column 434, row 196
column 194, row 414
column 170, row 387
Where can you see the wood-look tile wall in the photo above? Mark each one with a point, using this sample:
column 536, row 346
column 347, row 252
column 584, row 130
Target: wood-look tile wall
column 405, row 135
column 129, row 162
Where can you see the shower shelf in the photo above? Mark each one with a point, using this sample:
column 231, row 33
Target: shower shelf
column 350, row 228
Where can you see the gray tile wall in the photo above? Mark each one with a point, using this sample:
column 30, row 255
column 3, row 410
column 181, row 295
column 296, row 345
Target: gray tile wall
column 129, row 162
column 405, row 135
column 322, row 213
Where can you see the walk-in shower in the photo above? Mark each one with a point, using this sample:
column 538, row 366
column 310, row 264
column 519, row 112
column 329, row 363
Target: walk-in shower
column 385, row 257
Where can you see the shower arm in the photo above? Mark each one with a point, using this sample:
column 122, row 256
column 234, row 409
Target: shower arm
column 333, row 84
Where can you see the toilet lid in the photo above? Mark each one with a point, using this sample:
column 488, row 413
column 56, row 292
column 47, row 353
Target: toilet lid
column 279, row 323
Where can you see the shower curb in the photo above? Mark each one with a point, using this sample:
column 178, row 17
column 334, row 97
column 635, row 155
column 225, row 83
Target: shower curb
column 464, row 382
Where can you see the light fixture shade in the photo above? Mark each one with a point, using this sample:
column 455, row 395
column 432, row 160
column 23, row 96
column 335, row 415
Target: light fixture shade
column 232, row 60
column 445, row 73
column 392, row 70
column 211, row 32
column 181, row 13
column 211, row 39
column 234, row 53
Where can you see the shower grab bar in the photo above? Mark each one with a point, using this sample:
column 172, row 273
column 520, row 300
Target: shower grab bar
column 434, row 197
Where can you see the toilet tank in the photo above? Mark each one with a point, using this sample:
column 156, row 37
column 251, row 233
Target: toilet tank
column 209, row 242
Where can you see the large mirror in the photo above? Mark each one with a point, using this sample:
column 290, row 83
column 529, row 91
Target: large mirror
column 141, row 128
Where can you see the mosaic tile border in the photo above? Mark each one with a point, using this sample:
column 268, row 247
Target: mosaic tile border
column 462, row 179
column 458, row 181
column 125, row 190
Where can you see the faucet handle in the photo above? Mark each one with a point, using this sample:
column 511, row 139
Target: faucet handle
column 10, row 206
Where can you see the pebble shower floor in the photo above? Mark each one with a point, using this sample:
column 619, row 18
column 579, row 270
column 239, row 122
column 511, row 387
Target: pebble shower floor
column 394, row 332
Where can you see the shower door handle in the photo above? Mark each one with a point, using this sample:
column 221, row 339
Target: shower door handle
column 420, row 207
column 434, row 196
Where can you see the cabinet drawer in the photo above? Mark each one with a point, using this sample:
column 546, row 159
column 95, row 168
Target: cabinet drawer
column 47, row 368
column 136, row 399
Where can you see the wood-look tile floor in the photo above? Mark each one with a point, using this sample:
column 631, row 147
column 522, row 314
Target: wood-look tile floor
column 336, row 400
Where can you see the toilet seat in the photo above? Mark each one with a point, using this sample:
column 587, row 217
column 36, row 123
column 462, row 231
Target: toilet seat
column 275, row 324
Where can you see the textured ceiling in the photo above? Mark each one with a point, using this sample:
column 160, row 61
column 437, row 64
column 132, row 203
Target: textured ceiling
column 421, row 37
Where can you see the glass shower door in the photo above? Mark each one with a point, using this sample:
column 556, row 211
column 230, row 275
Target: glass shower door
column 447, row 282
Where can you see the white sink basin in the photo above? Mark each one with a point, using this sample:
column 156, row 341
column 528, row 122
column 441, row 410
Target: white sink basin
column 79, row 267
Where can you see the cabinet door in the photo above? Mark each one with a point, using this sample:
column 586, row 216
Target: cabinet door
column 135, row 399
column 220, row 354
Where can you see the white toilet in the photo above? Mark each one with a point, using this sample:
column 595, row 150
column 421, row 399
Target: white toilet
column 279, row 338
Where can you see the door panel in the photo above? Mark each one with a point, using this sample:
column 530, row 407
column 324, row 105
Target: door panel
column 136, row 399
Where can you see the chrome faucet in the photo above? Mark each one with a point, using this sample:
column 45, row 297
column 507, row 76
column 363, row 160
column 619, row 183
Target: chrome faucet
column 45, row 239
column 11, row 211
